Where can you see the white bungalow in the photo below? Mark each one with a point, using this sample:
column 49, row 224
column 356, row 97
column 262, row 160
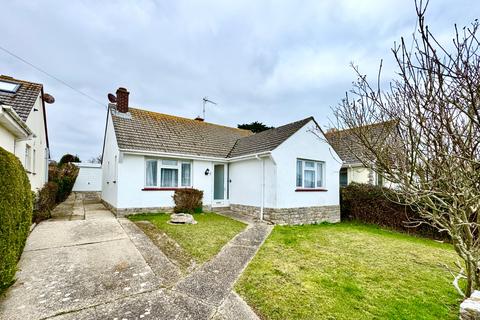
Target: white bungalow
column 285, row 175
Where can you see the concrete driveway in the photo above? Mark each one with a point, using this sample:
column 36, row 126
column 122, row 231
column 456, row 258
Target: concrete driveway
column 87, row 264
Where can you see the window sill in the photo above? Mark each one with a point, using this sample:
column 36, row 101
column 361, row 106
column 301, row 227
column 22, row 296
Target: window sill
column 164, row 189
column 311, row 190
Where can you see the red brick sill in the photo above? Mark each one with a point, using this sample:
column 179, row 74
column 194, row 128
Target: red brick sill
column 311, row 190
column 163, row 189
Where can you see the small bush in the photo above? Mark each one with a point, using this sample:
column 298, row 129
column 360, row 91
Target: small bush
column 45, row 202
column 188, row 200
column 64, row 176
column 15, row 214
column 372, row 204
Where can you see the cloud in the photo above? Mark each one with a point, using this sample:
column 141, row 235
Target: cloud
column 271, row 61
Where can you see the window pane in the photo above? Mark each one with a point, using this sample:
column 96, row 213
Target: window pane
column 299, row 173
column 186, row 174
column 309, row 179
column 169, row 178
column 169, row 162
column 151, row 173
column 319, row 174
column 8, row 86
column 28, row 157
column 309, row 164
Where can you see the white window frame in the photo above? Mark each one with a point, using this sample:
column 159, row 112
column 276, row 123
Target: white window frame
column 317, row 170
column 162, row 165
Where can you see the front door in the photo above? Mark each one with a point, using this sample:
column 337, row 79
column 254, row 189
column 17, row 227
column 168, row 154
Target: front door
column 220, row 185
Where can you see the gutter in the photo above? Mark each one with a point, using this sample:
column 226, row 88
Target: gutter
column 192, row 156
column 15, row 124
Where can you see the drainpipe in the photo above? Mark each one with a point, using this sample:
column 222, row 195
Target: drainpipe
column 262, row 205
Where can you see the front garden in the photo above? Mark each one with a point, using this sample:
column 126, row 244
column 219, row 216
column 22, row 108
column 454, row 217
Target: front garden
column 349, row 271
column 199, row 242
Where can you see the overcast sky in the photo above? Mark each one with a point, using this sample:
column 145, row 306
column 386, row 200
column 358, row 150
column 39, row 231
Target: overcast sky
column 268, row 61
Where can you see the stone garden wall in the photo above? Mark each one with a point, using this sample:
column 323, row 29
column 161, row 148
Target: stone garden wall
column 292, row 216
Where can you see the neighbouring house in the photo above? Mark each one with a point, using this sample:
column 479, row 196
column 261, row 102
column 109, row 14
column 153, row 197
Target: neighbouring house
column 350, row 151
column 285, row 175
column 89, row 177
column 23, row 126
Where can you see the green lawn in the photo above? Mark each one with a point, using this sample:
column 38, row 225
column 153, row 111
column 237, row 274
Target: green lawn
column 349, row 271
column 201, row 241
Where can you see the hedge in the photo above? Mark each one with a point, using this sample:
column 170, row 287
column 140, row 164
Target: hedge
column 188, row 200
column 373, row 204
column 45, row 202
column 15, row 214
column 64, row 176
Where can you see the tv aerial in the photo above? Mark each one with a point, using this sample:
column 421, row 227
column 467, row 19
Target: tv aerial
column 205, row 101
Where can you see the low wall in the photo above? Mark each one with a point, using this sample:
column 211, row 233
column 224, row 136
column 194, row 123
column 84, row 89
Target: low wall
column 122, row 212
column 292, row 216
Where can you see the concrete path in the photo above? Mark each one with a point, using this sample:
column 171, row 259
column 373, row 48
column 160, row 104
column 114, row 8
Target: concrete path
column 97, row 266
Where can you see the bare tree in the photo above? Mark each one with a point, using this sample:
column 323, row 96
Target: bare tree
column 433, row 157
column 97, row 159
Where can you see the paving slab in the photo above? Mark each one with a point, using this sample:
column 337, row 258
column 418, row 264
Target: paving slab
column 214, row 280
column 51, row 234
column 165, row 270
column 234, row 307
column 159, row 304
column 98, row 214
column 58, row 280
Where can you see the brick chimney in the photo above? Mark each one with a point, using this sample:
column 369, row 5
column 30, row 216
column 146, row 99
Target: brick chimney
column 122, row 100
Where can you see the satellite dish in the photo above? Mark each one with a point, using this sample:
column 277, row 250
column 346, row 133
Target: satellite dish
column 112, row 98
column 48, row 98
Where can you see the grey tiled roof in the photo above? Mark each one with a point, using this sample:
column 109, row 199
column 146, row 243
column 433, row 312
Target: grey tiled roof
column 346, row 144
column 23, row 100
column 266, row 140
column 150, row 131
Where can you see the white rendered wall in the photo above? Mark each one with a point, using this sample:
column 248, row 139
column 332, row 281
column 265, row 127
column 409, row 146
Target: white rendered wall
column 7, row 140
column 305, row 144
column 89, row 178
column 38, row 174
column 131, row 181
column 203, row 182
column 246, row 182
column 110, row 165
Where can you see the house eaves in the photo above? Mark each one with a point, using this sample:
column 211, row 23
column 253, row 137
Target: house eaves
column 192, row 156
column 13, row 123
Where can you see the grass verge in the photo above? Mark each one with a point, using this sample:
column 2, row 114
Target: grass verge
column 349, row 271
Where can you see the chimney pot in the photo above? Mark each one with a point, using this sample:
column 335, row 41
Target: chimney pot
column 122, row 100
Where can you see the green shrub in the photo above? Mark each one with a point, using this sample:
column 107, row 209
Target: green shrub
column 45, row 202
column 373, row 204
column 188, row 200
column 64, row 176
column 15, row 214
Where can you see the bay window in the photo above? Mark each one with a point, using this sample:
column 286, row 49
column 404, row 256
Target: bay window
column 310, row 174
column 166, row 173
